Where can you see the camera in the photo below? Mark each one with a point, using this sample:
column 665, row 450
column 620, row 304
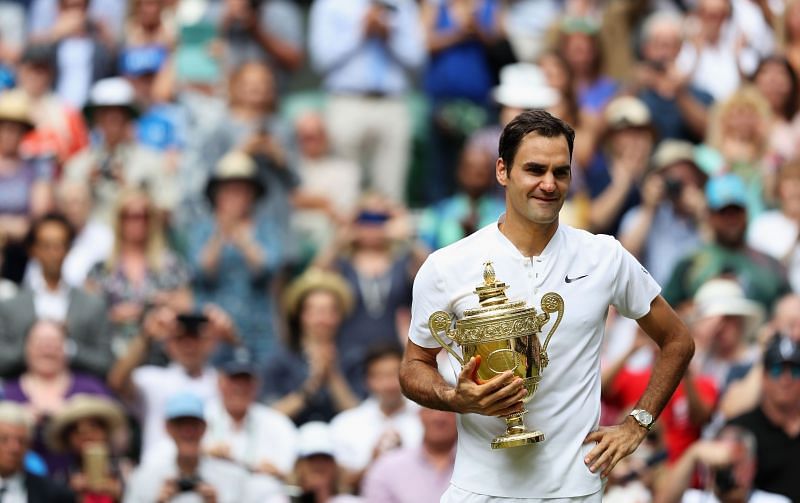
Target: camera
column 673, row 188
column 187, row 484
column 724, row 480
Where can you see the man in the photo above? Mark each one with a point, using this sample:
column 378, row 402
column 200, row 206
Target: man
column 420, row 473
column 17, row 485
column 763, row 278
column 679, row 110
column 240, row 429
column 382, row 422
column 194, row 476
column 535, row 254
column 189, row 341
column 776, row 421
column 366, row 52
column 732, row 461
column 48, row 296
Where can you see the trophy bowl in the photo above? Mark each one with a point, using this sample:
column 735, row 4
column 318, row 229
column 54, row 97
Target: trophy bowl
column 505, row 334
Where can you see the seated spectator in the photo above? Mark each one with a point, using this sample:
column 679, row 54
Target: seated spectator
column 251, row 434
column 763, row 277
column 318, row 209
column 189, row 340
column 47, row 296
column 235, row 254
column 414, row 474
column 366, row 53
column 19, row 484
column 670, row 222
column 615, row 175
column 189, row 471
column 385, row 421
column 60, row 129
column 475, row 205
column 304, row 379
column 117, row 161
column 47, row 385
column 316, row 472
column 25, row 189
column 85, row 429
column 731, row 460
column 777, row 232
column 141, row 271
column 679, row 108
column 775, row 422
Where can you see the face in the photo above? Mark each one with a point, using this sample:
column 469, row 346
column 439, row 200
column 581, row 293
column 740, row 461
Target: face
column 312, row 139
column 44, row 349
column 537, row 184
column 36, row 80
column 712, row 14
column 14, row 440
column 383, row 380
column 663, row 44
column 50, row 247
column 134, row 221
column 729, row 225
column 318, row 472
column 254, row 87
column 475, row 173
column 440, row 428
column 87, row 431
column 235, row 199
column 789, row 194
column 580, row 52
column 190, row 351
column 238, row 392
column 320, row 315
column 148, row 12
column 11, row 134
column 728, row 334
column 75, row 203
column 742, row 119
column 775, row 83
column 187, row 432
column 782, row 386
column 787, row 317
column 742, row 469
column 113, row 122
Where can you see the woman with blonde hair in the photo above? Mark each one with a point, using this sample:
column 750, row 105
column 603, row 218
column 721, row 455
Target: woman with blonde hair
column 141, row 270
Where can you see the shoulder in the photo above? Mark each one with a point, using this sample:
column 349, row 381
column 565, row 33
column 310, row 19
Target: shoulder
column 271, row 418
column 51, row 490
column 752, row 420
column 398, row 459
column 346, row 419
column 759, row 496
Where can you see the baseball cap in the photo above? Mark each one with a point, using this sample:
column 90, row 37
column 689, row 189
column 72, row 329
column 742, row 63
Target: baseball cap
column 39, row 55
column 184, row 404
column 782, row 349
column 142, row 60
column 726, row 190
column 314, row 438
column 240, row 364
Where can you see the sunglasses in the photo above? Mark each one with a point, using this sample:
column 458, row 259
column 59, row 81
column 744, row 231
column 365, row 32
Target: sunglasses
column 373, row 218
column 776, row 370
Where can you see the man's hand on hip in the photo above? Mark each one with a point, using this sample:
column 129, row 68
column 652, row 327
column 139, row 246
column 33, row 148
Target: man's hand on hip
column 613, row 444
column 499, row 396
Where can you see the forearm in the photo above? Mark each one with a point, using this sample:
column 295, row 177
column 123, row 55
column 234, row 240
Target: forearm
column 119, row 377
column 743, row 395
column 668, row 370
column 608, row 205
column 677, row 480
column 209, row 257
column 693, row 112
column 699, row 411
column 422, row 383
column 254, row 256
column 633, row 240
column 291, row 405
column 287, row 55
column 343, row 396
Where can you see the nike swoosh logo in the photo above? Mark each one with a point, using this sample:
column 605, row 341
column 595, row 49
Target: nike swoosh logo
column 570, row 280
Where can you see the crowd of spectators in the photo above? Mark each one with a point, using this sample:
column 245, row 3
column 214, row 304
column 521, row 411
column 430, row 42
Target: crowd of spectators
column 212, row 212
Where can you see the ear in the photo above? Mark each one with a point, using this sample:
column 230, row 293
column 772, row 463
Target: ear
column 500, row 172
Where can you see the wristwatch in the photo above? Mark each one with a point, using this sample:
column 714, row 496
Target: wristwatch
column 644, row 418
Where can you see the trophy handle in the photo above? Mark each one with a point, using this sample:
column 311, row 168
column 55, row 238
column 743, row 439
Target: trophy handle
column 551, row 303
column 441, row 322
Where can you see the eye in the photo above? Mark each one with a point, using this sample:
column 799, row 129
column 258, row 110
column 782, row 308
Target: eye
column 536, row 170
column 562, row 173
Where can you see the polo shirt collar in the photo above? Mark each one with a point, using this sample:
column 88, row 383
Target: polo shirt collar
column 551, row 248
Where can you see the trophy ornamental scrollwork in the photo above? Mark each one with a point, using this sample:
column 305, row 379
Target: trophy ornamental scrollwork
column 505, row 334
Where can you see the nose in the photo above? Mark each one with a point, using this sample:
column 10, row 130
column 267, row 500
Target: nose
column 548, row 183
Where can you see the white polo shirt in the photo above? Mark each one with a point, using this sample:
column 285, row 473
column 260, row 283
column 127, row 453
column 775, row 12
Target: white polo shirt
column 566, row 406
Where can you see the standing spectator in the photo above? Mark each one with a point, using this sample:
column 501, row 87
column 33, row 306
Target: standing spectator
column 366, row 52
column 18, row 484
column 140, row 271
column 679, row 108
column 207, row 479
column 668, row 224
column 189, row 341
column 47, row 296
column 414, row 474
column 763, row 277
column 25, row 190
column 776, row 421
column 385, row 421
column 304, row 380
column 235, row 254
column 117, row 161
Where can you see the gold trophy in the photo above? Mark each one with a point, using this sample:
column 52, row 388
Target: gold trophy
column 505, row 334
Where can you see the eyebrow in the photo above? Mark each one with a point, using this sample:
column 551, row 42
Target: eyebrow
column 536, row 165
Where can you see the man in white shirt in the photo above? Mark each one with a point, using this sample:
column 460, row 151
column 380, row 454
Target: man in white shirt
column 384, row 421
column 535, row 254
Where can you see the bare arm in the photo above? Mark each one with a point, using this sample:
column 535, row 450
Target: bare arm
column 287, row 55
column 693, row 111
column 678, row 478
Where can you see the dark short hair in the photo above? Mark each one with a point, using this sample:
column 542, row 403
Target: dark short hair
column 379, row 352
column 532, row 121
column 49, row 218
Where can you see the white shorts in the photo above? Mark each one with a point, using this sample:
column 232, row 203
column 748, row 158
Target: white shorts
column 457, row 495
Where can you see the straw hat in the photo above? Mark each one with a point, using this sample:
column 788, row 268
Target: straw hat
column 16, row 107
column 79, row 407
column 318, row 279
column 725, row 297
column 235, row 166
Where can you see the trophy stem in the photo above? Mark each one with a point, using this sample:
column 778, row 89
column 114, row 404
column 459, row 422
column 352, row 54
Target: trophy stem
column 516, row 435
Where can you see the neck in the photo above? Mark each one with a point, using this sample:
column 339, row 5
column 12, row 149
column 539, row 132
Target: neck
column 194, row 372
column 187, row 465
column 530, row 239
column 131, row 249
column 391, row 407
column 247, row 113
column 237, row 416
column 439, row 455
column 52, row 281
column 48, row 377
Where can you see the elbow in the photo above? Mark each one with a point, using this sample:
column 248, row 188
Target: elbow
column 682, row 345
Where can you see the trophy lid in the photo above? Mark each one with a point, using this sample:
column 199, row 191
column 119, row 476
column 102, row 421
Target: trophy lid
column 492, row 297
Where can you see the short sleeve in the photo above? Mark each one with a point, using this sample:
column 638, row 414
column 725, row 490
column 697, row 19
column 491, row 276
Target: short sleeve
column 428, row 296
column 634, row 288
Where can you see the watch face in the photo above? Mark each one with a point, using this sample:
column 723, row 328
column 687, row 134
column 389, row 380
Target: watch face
column 644, row 417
